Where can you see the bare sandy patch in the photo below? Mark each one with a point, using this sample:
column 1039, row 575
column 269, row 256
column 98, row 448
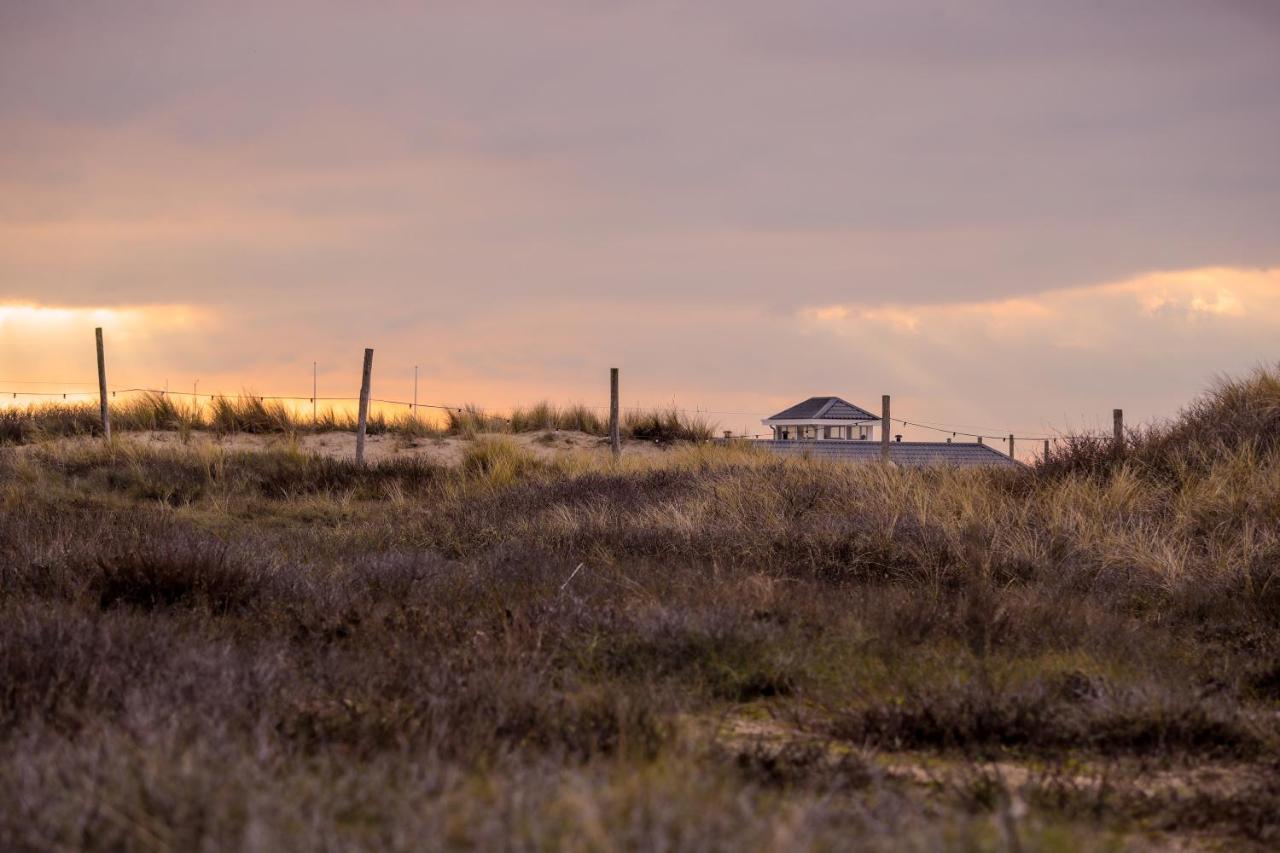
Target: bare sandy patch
column 933, row 769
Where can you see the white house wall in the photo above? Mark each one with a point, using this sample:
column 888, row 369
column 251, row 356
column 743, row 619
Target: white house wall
column 821, row 424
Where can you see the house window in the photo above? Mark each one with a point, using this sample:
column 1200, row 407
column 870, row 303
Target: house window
column 810, row 432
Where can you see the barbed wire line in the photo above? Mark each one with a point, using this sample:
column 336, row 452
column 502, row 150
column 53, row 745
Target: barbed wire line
column 931, row 423
column 302, row 399
column 62, row 394
column 260, row 397
column 446, row 407
column 957, row 433
column 962, row 429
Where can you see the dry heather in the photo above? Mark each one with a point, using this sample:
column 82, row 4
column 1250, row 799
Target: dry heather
column 717, row 650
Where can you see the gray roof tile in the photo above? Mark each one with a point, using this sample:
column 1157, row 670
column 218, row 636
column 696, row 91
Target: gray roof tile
column 832, row 408
column 908, row 453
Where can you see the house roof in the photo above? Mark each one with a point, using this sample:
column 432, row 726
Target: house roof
column 824, row 408
column 906, row 453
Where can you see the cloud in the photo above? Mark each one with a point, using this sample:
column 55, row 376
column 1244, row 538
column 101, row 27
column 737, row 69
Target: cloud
column 738, row 204
column 815, row 156
column 1153, row 339
column 1095, row 317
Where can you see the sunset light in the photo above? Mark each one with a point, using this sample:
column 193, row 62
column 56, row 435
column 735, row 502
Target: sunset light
column 733, row 425
column 15, row 319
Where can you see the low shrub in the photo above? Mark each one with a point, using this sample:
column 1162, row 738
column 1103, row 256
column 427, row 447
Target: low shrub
column 176, row 569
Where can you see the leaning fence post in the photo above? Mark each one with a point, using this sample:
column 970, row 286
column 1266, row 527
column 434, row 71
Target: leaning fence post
column 1117, row 424
column 884, row 428
column 102, row 386
column 363, row 421
column 615, row 436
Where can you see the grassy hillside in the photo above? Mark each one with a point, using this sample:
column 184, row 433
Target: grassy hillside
column 718, row 650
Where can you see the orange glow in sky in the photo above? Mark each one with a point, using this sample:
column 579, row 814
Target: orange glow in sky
column 1015, row 220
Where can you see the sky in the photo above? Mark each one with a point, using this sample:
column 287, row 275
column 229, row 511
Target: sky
column 1011, row 216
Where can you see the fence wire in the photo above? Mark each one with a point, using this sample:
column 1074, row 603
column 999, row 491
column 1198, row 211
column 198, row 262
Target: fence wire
column 195, row 396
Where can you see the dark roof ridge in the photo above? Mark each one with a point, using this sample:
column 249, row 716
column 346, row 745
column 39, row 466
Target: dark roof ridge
column 831, row 401
column 820, row 408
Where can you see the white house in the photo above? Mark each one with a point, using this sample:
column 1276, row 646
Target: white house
column 823, row 418
column 834, row 429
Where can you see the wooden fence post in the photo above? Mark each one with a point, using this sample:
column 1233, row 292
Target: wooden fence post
column 884, row 428
column 102, row 386
column 1117, row 424
column 1011, row 456
column 615, row 435
column 363, row 422
column 1045, row 458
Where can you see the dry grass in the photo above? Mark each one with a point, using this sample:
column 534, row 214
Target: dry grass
column 249, row 413
column 544, row 416
column 204, row 648
column 1236, row 415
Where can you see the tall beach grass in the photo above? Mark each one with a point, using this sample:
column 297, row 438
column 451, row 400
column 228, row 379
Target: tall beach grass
column 252, row 414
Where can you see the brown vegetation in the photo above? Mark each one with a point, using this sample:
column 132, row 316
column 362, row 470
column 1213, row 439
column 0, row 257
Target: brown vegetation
column 275, row 650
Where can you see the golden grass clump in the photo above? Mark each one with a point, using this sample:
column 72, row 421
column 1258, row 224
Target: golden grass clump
column 545, row 416
column 156, row 411
column 471, row 421
column 497, row 460
column 250, row 414
column 666, row 426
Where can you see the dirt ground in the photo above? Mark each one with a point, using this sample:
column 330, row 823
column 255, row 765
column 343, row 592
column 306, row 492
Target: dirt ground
column 545, row 444
column 931, row 769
